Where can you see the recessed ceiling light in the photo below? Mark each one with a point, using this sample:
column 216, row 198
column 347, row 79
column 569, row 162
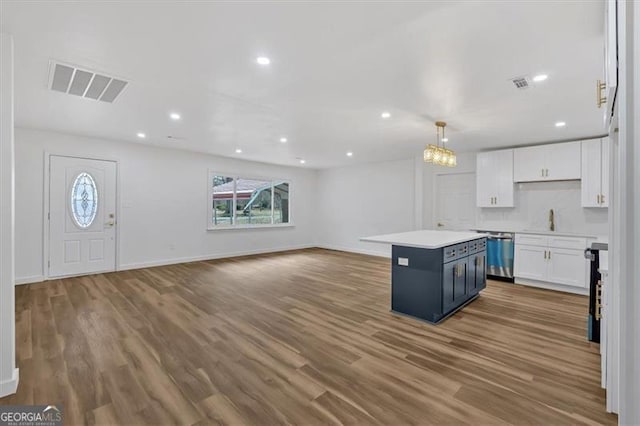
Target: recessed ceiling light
column 141, row 135
column 540, row 77
column 349, row 154
column 174, row 116
column 385, row 114
column 238, row 151
column 445, row 139
column 283, row 140
column 302, row 161
column 561, row 124
column 263, row 60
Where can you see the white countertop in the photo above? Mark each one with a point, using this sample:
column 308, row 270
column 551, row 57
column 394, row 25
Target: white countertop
column 537, row 232
column 429, row 239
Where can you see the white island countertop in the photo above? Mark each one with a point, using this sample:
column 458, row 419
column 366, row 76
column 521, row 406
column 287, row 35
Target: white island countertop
column 428, row 239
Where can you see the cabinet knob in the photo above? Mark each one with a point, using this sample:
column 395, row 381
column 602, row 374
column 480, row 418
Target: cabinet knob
column 602, row 198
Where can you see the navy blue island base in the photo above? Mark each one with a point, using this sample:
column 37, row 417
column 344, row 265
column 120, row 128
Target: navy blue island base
column 432, row 284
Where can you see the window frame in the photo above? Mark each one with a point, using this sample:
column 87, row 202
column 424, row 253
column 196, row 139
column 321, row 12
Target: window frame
column 234, row 225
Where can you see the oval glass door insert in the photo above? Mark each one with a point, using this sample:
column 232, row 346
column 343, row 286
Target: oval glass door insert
column 84, row 200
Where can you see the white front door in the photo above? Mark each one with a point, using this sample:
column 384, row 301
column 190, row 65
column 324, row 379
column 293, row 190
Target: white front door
column 455, row 206
column 82, row 216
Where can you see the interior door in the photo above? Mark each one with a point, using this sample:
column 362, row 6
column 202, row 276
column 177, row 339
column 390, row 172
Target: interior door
column 82, row 216
column 455, row 207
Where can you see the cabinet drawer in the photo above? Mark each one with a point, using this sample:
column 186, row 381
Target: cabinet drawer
column 568, row 243
column 532, row 240
column 455, row 252
column 477, row 245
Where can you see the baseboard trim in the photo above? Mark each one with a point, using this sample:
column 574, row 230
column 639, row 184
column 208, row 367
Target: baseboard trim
column 166, row 262
column 552, row 286
column 9, row 387
column 355, row 250
column 29, row 280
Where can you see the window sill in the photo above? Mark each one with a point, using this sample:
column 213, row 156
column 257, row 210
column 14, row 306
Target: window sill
column 245, row 227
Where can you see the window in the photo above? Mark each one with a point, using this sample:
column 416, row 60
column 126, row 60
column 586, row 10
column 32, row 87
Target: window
column 84, row 200
column 245, row 202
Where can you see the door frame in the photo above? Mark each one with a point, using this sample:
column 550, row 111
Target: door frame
column 46, row 209
column 434, row 206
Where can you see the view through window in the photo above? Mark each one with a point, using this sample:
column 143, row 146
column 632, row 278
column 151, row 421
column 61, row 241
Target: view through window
column 238, row 201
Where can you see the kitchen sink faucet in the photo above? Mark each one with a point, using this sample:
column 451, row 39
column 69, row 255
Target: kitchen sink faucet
column 552, row 225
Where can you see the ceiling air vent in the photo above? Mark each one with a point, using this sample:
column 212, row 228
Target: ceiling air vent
column 521, row 82
column 81, row 82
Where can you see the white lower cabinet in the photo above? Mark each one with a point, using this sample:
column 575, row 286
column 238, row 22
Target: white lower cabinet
column 567, row 267
column 551, row 261
column 530, row 262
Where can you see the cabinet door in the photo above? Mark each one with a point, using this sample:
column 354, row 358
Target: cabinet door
column 503, row 170
column 562, row 161
column 484, row 180
column 604, row 185
column 591, row 173
column 477, row 273
column 610, row 58
column 568, row 267
column 530, row 262
column 454, row 285
column 494, row 179
column 529, row 164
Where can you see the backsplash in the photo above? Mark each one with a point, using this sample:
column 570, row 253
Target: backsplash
column 533, row 201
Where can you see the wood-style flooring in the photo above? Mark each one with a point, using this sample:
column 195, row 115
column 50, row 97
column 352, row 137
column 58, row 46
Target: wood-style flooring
column 302, row 337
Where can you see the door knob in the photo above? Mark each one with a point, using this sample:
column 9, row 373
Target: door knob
column 440, row 224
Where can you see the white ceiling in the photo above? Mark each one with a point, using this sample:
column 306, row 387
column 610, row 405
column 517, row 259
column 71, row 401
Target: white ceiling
column 334, row 68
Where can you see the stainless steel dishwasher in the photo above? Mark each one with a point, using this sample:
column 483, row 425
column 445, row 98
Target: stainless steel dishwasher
column 500, row 248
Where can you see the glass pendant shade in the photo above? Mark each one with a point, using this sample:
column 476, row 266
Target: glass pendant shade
column 437, row 154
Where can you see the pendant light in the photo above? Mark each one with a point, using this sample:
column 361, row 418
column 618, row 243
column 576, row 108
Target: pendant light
column 437, row 154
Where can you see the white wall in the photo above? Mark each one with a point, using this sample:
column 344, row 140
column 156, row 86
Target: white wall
column 367, row 199
column 8, row 372
column 163, row 199
column 397, row 196
column 532, row 204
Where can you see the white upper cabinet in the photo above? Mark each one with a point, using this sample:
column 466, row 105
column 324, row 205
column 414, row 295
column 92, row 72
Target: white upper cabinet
column 494, row 178
column 560, row 161
column 610, row 83
column 595, row 173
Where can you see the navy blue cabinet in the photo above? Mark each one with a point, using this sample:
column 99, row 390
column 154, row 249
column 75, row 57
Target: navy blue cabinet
column 430, row 284
column 454, row 283
column 477, row 272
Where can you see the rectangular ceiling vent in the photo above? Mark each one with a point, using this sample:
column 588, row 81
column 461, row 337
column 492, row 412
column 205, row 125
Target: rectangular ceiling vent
column 81, row 82
column 520, row 82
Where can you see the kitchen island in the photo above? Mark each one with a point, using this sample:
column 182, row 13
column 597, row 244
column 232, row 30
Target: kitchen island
column 434, row 273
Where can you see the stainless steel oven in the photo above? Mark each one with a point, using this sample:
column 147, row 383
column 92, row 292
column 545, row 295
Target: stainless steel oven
column 500, row 247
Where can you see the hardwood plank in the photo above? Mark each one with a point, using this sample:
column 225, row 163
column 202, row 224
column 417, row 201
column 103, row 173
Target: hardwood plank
column 301, row 337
